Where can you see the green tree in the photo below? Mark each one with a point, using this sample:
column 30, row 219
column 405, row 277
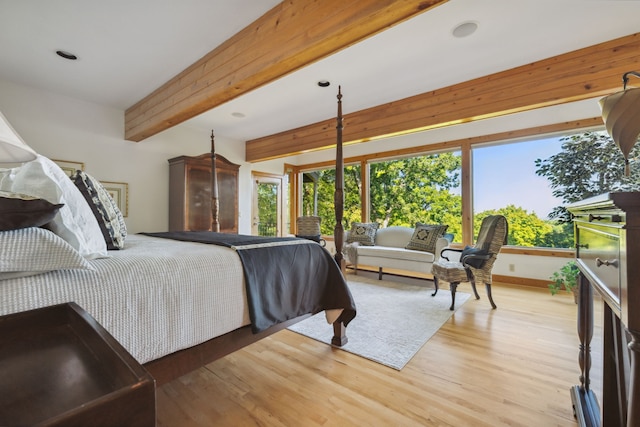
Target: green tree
column 589, row 164
column 402, row 192
column 525, row 228
column 417, row 189
column 267, row 209
column 325, row 184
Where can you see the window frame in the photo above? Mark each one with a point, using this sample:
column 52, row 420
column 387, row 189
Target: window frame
column 465, row 147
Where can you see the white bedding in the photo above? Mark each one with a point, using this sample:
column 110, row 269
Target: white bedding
column 156, row 296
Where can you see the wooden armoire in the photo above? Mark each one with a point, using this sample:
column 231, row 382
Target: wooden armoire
column 190, row 193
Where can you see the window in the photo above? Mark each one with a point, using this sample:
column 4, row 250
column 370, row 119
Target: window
column 505, row 182
column 530, row 182
column 317, row 196
column 422, row 189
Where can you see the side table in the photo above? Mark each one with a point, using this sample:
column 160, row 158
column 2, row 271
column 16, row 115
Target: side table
column 59, row 366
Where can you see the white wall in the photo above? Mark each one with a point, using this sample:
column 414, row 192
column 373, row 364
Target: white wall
column 65, row 128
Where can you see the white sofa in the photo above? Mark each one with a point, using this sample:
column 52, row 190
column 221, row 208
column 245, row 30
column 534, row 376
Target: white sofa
column 389, row 252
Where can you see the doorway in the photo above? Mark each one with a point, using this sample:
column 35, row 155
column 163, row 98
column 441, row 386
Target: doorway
column 267, row 204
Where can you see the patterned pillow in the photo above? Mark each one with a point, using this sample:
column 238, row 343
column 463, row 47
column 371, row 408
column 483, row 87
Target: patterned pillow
column 425, row 237
column 22, row 211
column 34, row 250
column 104, row 208
column 363, row 233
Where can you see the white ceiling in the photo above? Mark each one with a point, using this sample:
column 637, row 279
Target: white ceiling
column 128, row 48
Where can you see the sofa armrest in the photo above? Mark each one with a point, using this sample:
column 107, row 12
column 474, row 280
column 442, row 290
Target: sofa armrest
column 441, row 245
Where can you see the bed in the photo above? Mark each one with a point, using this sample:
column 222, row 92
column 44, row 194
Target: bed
column 173, row 303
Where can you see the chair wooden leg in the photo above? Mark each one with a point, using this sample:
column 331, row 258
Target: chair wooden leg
column 473, row 286
column 435, row 284
column 379, row 273
column 488, row 286
column 453, row 287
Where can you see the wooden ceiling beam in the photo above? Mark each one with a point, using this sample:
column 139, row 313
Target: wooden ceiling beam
column 582, row 74
column 290, row 36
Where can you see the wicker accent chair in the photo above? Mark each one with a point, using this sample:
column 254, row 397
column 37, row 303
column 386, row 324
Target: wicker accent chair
column 308, row 227
column 476, row 262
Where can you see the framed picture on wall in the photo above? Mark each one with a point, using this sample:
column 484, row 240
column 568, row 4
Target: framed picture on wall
column 68, row 166
column 119, row 191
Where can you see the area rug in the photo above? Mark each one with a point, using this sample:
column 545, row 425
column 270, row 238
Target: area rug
column 393, row 320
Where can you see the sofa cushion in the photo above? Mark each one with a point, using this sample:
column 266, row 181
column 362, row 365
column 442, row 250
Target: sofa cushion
column 363, row 233
column 396, row 236
column 395, row 253
column 425, row 237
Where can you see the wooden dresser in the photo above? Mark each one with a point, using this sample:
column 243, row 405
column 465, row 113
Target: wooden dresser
column 607, row 233
column 190, row 193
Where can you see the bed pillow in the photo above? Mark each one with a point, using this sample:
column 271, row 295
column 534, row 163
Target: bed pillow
column 22, row 211
column 107, row 213
column 363, row 233
column 74, row 222
column 34, row 250
column 425, row 236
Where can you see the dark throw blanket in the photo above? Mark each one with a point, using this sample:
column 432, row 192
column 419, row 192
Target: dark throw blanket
column 285, row 277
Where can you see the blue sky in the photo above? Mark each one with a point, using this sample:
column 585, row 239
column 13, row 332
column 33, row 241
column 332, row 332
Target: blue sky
column 505, row 175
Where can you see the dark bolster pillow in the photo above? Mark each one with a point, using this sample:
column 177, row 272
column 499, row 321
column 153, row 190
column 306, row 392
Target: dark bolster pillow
column 22, row 211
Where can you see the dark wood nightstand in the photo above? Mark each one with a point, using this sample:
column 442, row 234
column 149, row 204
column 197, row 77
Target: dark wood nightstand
column 58, row 366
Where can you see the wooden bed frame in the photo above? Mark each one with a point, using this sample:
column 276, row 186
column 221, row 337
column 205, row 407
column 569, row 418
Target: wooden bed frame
column 182, row 362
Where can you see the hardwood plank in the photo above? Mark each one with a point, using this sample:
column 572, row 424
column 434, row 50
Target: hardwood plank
column 507, row 367
column 288, row 37
column 577, row 75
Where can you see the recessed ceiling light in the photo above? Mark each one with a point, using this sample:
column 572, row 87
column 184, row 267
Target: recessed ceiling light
column 238, row 115
column 66, row 55
column 465, row 29
column 324, row 83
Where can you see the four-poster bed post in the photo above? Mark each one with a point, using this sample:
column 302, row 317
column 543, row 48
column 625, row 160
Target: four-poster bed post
column 339, row 330
column 215, row 204
column 338, row 231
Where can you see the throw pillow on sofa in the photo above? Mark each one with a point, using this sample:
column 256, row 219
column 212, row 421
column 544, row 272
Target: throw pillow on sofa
column 425, row 237
column 363, row 233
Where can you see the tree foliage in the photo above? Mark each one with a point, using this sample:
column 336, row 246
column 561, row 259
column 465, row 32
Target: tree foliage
column 525, row 228
column 325, row 184
column 417, row 189
column 588, row 164
column 426, row 189
column 267, row 209
column 402, row 192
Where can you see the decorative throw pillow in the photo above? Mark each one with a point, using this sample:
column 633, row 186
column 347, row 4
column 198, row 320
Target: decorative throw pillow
column 74, row 222
column 22, row 211
column 425, row 237
column 473, row 262
column 363, row 233
column 34, row 250
column 104, row 208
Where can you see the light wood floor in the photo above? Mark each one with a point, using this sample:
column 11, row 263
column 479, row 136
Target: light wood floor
column 507, row 367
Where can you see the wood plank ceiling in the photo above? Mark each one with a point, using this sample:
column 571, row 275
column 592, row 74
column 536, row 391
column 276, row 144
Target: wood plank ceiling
column 581, row 74
column 297, row 33
column 288, row 37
